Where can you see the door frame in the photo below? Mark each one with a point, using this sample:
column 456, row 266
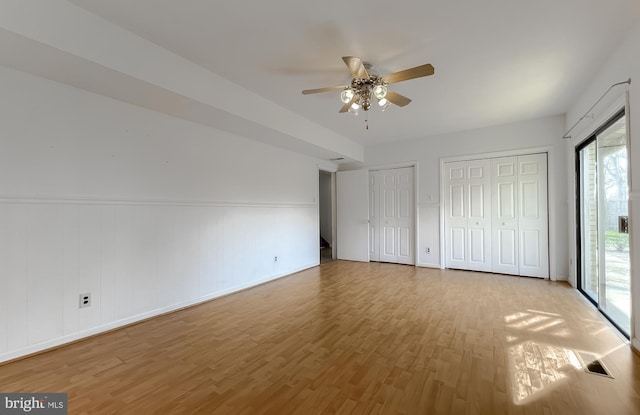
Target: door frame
column 334, row 226
column 588, row 127
column 552, row 217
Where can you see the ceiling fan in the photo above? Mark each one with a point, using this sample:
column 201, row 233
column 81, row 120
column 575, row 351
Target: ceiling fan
column 366, row 86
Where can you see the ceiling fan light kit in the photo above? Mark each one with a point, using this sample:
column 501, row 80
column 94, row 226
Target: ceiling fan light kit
column 346, row 95
column 366, row 86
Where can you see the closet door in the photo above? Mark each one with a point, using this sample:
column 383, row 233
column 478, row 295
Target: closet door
column 532, row 215
column 479, row 215
column 496, row 215
column 504, row 174
column 388, row 212
column 468, row 215
column 374, row 216
column 455, row 205
column 405, row 217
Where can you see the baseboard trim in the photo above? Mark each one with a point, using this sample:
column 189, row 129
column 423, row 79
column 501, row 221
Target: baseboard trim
column 428, row 265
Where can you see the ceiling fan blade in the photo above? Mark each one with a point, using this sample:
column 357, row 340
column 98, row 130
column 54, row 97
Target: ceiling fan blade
column 417, row 72
column 356, row 67
column 395, row 98
column 346, row 106
column 318, row 90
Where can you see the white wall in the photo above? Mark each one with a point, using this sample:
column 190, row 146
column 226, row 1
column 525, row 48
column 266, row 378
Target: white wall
column 624, row 63
column 146, row 212
column 60, row 41
column 427, row 152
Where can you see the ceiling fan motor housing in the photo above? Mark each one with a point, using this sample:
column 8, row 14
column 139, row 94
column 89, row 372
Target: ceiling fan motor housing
column 363, row 88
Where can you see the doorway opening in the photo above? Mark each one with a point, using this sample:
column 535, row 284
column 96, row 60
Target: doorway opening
column 326, row 213
column 602, row 199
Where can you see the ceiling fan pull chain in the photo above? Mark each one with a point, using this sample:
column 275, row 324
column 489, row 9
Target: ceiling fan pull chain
column 366, row 120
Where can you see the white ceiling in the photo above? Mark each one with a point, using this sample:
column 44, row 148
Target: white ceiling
column 496, row 61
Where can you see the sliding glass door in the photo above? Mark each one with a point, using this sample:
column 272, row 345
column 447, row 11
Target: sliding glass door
column 603, row 239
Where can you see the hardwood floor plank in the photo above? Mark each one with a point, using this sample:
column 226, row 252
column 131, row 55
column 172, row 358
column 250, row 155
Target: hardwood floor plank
column 352, row 338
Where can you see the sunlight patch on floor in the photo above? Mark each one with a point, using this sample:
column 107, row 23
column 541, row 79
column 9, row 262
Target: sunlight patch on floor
column 536, row 321
column 515, row 316
column 548, row 325
column 536, row 366
column 544, row 312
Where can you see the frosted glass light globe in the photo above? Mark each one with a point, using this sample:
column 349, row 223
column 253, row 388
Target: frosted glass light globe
column 380, row 91
column 347, row 95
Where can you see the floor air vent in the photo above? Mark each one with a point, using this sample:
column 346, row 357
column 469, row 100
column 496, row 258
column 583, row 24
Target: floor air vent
column 594, row 366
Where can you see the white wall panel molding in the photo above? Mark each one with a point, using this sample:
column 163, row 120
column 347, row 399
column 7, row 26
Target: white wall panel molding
column 143, row 202
column 137, row 260
column 68, row 338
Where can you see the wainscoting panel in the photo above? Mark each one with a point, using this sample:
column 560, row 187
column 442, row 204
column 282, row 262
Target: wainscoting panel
column 136, row 259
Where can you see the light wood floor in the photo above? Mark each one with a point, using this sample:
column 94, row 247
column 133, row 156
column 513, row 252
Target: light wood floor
column 352, row 338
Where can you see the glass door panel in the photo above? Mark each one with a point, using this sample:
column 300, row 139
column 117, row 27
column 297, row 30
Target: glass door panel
column 604, row 240
column 590, row 279
column 615, row 298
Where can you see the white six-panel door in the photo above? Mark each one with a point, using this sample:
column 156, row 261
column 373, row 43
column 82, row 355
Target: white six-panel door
column 456, row 214
column 388, row 215
column 468, row 215
column 479, row 215
column 532, row 219
column 496, row 215
column 405, row 219
column 392, row 218
column 504, row 175
column 374, row 216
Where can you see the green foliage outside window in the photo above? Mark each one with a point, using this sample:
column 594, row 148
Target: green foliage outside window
column 616, row 241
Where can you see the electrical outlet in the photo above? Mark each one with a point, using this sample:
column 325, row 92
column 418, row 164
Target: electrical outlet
column 428, row 250
column 275, row 259
column 85, row 300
